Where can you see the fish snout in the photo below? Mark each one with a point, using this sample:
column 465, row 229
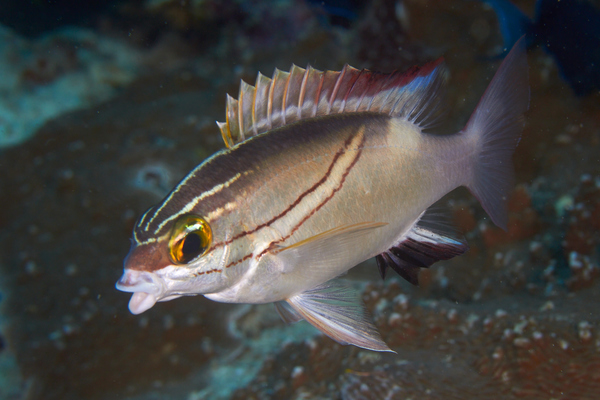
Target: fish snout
column 147, row 289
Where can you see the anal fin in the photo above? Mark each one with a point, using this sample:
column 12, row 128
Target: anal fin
column 420, row 248
column 336, row 311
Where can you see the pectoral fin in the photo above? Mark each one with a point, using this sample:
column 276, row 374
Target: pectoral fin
column 322, row 252
column 336, row 311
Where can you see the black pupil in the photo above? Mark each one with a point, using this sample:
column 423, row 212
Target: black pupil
column 191, row 245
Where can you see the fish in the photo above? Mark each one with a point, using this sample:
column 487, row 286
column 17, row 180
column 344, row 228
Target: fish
column 323, row 170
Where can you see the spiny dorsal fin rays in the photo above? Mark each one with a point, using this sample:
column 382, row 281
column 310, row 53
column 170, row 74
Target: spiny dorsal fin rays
column 261, row 103
column 278, row 88
column 225, row 134
column 312, row 89
column 245, row 109
column 331, row 104
column 301, row 93
column 294, row 94
column 231, row 121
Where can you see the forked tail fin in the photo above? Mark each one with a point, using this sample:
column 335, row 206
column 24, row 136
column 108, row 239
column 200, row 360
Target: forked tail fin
column 496, row 126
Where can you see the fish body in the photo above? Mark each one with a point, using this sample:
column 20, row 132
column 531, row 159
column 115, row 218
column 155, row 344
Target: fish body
column 324, row 170
column 323, row 189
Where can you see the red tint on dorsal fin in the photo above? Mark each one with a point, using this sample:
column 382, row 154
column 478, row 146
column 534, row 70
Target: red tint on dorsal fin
column 307, row 93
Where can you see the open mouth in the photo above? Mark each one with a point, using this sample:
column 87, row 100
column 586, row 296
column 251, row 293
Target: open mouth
column 147, row 289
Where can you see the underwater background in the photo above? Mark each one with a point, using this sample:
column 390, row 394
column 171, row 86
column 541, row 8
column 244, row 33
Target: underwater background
column 106, row 105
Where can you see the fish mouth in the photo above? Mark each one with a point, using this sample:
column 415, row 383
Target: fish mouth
column 147, row 289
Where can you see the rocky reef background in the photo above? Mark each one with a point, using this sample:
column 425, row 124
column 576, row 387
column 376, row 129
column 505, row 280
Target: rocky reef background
column 104, row 108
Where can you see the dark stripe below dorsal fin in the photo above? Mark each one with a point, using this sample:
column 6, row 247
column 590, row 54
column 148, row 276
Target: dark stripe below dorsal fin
column 307, row 93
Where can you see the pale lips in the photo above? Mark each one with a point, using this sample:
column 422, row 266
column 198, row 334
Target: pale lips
column 146, row 287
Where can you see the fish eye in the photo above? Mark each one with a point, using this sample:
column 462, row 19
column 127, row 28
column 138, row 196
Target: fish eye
column 191, row 237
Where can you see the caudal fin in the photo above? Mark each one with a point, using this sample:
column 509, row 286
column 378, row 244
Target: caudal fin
column 496, row 125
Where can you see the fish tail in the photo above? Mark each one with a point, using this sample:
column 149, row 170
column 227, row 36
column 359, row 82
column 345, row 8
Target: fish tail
column 495, row 129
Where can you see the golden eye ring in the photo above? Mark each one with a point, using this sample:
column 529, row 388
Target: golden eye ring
column 191, row 237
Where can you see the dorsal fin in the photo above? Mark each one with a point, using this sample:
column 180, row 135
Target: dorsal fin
column 307, row 93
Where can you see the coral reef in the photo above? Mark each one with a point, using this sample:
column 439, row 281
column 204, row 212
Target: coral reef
column 446, row 351
column 56, row 73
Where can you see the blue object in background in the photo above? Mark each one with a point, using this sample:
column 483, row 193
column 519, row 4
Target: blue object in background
column 339, row 12
column 513, row 22
column 569, row 30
